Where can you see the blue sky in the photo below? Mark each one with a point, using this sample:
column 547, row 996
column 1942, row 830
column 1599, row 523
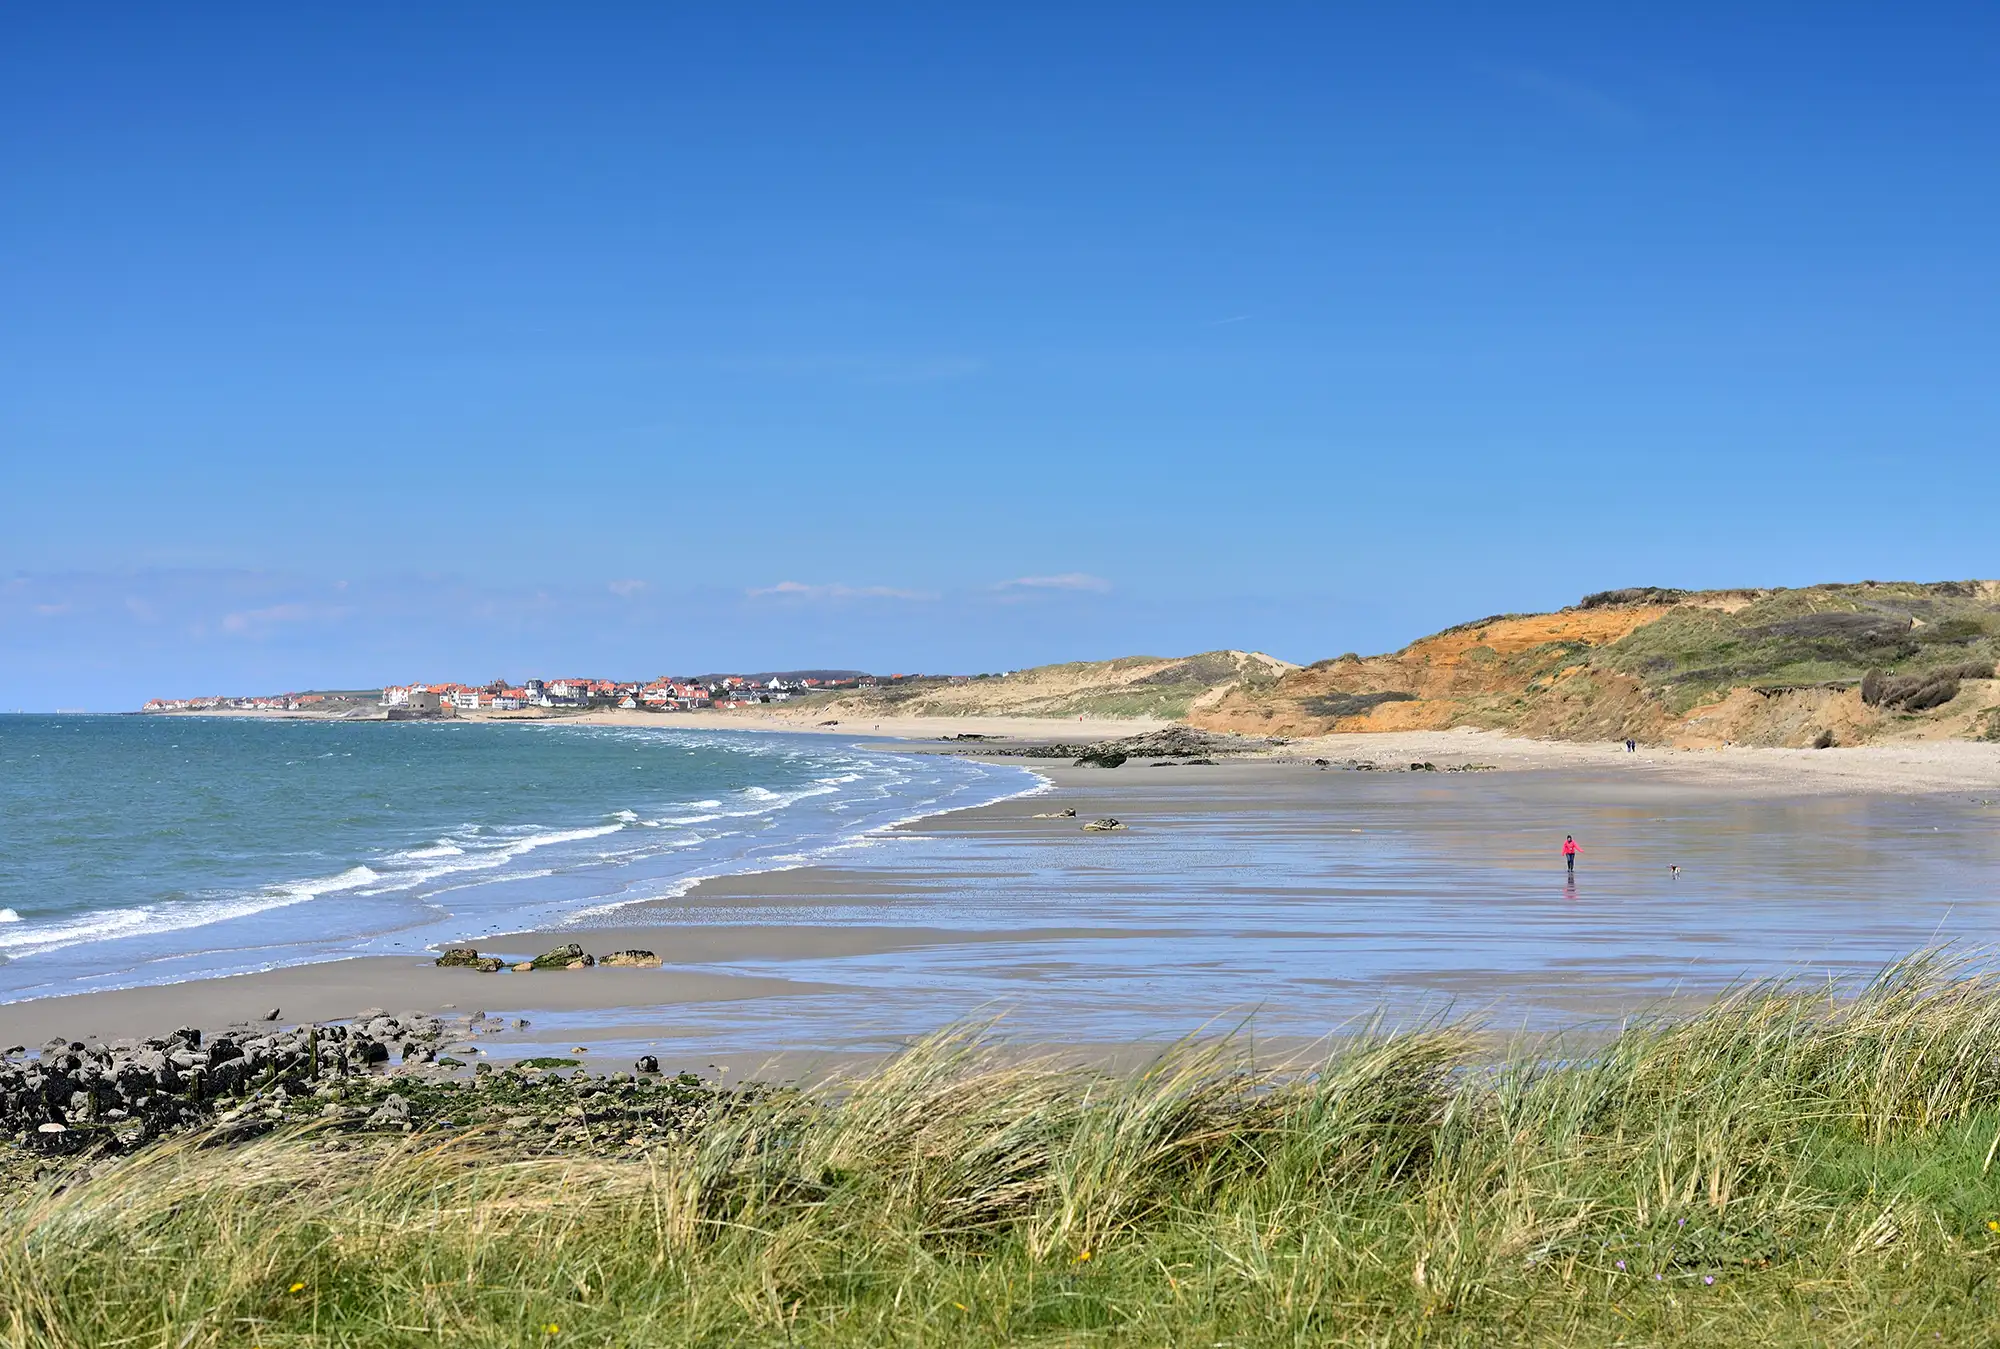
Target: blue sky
column 360, row 343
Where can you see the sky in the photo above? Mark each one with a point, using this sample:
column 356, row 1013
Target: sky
column 342, row 345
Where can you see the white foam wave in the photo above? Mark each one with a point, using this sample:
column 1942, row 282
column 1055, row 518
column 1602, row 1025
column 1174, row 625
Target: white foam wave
column 488, row 858
column 176, row 915
column 472, row 854
column 440, row 849
column 793, row 861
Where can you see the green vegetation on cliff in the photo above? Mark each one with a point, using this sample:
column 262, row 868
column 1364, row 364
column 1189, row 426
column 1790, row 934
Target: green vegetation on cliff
column 1767, row 666
column 1791, row 638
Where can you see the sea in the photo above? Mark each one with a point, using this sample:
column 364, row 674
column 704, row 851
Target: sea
column 143, row 850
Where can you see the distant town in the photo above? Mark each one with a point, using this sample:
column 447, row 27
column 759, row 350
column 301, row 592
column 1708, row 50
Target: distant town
column 686, row 694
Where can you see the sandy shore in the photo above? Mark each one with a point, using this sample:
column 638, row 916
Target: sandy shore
column 1901, row 768
column 1904, row 768
column 808, row 947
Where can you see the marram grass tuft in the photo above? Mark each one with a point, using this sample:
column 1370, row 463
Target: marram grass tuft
column 1788, row 1165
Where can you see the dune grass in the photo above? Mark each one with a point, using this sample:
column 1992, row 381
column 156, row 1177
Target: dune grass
column 1784, row 1167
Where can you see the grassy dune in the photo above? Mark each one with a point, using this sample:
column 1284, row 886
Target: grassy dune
column 1784, row 1167
column 1763, row 667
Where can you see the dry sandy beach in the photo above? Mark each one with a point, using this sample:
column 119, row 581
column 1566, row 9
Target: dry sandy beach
column 1214, row 900
column 1925, row 766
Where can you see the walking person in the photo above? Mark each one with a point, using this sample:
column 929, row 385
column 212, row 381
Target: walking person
column 1569, row 853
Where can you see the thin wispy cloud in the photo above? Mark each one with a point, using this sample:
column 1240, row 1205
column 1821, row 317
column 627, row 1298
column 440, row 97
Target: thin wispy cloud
column 250, row 622
column 626, row 589
column 1233, row 318
column 799, row 590
column 1579, row 100
column 1069, row 580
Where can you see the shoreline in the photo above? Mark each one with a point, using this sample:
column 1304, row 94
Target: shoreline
column 1898, row 767
column 716, row 961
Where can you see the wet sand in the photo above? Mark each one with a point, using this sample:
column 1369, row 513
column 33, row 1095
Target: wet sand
column 1265, row 889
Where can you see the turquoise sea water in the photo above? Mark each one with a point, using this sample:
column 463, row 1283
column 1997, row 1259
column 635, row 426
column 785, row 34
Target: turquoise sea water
column 147, row 849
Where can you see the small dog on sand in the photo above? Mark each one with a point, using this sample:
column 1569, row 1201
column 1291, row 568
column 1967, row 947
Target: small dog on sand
column 1673, row 871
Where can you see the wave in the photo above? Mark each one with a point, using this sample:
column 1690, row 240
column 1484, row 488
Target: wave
column 176, row 915
column 813, row 854
column 488, row 858
column 737, row 830
column 440, row 849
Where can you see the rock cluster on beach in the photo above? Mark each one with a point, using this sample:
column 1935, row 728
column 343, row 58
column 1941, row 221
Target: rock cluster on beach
column 1171, row 742
column 376, row 1072
column 569, row 956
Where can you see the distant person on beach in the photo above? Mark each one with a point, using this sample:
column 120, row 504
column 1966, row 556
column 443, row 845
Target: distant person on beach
column 1569, row 853
column 1631, row 747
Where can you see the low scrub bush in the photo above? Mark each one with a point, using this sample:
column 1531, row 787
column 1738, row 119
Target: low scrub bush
column 1351, row 704
column 1924, row 689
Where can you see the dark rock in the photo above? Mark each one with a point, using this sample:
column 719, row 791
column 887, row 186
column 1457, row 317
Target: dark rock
column 559, row 959
column 393, row 1113
column 647, row 1064
column 634, row 958
column 272, row 1015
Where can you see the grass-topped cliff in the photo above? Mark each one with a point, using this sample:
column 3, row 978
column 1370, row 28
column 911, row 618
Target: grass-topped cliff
column 1841, row 664
column 1167, row 688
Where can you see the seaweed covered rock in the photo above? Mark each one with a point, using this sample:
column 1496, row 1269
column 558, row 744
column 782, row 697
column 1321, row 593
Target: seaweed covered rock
column 566, row 957
column 632, row 958
column 466, row 957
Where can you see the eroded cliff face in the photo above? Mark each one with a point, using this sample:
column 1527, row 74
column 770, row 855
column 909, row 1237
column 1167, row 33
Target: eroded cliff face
column 1769, row 667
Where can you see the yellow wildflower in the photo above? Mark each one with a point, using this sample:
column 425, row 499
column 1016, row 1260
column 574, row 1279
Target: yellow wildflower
column 296, row 1288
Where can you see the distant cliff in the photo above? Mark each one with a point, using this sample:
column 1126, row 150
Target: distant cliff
column 1840, row 664
column 1166, row 688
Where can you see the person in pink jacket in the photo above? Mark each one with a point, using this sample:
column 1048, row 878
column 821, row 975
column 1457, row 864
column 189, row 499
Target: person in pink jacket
column 1569, row 853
